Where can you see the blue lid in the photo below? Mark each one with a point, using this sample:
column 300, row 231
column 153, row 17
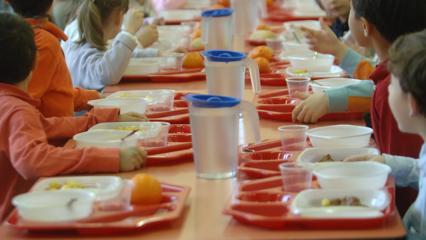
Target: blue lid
column 224, row 12
column 212, row 101
column 224, row 56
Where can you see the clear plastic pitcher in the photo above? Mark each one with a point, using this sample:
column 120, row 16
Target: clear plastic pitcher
column 215, row 131
column 226, row 71
column 217, row 29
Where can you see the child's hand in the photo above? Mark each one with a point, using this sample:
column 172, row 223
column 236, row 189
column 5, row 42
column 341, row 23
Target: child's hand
column 147, row 35
column 325, row 41
column 311, row 109
column 134, row 21
column 132, row 159
column 132, row 117
column 365, row 157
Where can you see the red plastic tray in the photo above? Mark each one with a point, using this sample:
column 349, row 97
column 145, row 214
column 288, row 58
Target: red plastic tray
column 285, row 15
column 185, row 75
column 262, row 203
column 179, row 115
column 278, row 106
column 178, row 22
column 116, row 222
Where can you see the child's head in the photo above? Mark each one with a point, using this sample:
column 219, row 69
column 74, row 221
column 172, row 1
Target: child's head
column 31, row 8
column 407, row 91
column 387, row 19
column 101, row 20
column 17, row 49
column 336, row 8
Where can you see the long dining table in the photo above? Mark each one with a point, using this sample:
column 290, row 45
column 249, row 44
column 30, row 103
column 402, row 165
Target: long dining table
column 203, row 216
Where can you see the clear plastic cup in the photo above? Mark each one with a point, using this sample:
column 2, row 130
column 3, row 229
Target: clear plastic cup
column 293, row 137
column 297, row 85
column 295, row 177
column 172, row 61
column 275, row 44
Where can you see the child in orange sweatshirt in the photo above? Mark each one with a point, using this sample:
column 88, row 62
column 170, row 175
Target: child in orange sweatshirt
column 25, row 153
column 51, row 82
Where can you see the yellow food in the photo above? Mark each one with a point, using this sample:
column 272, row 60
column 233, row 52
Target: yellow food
column 54, row 186
column 262, row 51
column 146, row 190
column 193, row 60
column 261, row 35
column 300, row 71
column 197, row 44
column 128, row 128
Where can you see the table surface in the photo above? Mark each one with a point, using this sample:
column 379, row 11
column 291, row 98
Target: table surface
column 203, row 217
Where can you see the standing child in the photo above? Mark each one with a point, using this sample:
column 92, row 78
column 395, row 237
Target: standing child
column 25, row 153
column 51, row 82
column 91, row 63
column 407, row 98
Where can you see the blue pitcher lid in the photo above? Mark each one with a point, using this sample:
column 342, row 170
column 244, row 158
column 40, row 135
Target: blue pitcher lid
column 224, row 56
column 212, row 101
column 224, row 12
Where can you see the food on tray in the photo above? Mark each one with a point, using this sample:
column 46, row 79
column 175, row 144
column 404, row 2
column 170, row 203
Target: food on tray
column 300, row 71
column 53, row 186
column 196, row 34
column 262, row 51
column 226, row 3
column 128, row 128
column 262, row 35
column 346, row 201
column 146, row 190
column 264, row 27
column 193, row 60
column 217, row 6
column 264, row 66
column 326, row 158
column 197, row 43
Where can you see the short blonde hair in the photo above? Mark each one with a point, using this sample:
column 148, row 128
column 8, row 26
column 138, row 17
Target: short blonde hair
column 92, row 15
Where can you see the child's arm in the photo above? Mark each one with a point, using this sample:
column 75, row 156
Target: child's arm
column 67, row 127
column 33, row 157
column 82, row 96
column 405, row 170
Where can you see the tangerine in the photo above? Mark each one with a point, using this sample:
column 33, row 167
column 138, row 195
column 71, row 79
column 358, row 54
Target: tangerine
column 146, row 190
column 193, row 60
column 264, row 66
column 262, row 51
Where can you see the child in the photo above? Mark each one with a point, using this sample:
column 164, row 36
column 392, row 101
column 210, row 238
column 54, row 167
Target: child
column 92, row 65
column 64, row 11
column 338, row 10
column 51, row 82
column 407, row 98
column 4, row 6
column 25, row 153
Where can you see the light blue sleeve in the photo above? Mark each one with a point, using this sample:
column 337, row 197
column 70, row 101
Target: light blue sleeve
column 338, row 97
column 351, row 60
column 405, row 170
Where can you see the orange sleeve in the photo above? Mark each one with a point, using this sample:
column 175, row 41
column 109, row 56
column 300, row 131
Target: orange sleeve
column 359, row 104
column 363, row 70
column 33, row 157
column 67, row 127
column 82, row 96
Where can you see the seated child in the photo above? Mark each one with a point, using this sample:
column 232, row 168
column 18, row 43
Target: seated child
column 64, row 11
column 51, row 82
column 25, row 153
column 407, row 98
column 91, row 63
column 338, row 10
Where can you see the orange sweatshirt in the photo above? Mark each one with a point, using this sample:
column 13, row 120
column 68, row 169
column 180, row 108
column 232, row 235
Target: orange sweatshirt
column 25, row 154
column 51, row 82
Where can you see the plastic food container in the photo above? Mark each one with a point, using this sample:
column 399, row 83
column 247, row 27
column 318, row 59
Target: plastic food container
column 180, row 15
column 103, row 187
column 314, row 25
column 356, row 175
column 310, row 158
column 156, row 100
column 55, row 206
column 340, row 136
column 142, row 66
column 313, row 63
column 125, row 105
column 151, row 134
column 324, row 84
column 309, row 203
column 106, row 139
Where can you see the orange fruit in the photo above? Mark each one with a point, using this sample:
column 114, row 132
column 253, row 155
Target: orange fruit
column 262, row 51
column 196, row 34
column 146, row 190
column 225, row 3
column 264, row 66
column 193, row 60
column 217, row 6
column 263, row 27
column 269, row 3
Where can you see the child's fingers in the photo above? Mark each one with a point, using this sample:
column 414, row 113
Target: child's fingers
column 296, row 112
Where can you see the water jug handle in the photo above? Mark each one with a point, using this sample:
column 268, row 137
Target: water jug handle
column 250, row 113
column 254, row 75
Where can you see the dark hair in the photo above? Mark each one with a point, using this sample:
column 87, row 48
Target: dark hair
column 17, row 49
column 93, row 14
column 408, row 62
column 392, row 18
column 31, row 8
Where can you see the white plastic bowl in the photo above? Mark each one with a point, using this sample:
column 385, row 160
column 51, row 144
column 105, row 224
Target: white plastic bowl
column 157, row 100
column 180, row 14
column 330, row 83
column 106, row 139
column 142, row 66
column 125, row 105
column 311, row 156
column 296, row 49
column 340, row 136
column 314, row 25
column 312, row 63
column 308, row 203
column 54, row 206
column 355, row 175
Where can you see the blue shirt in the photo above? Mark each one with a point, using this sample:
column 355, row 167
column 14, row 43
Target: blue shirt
column 410, row 172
